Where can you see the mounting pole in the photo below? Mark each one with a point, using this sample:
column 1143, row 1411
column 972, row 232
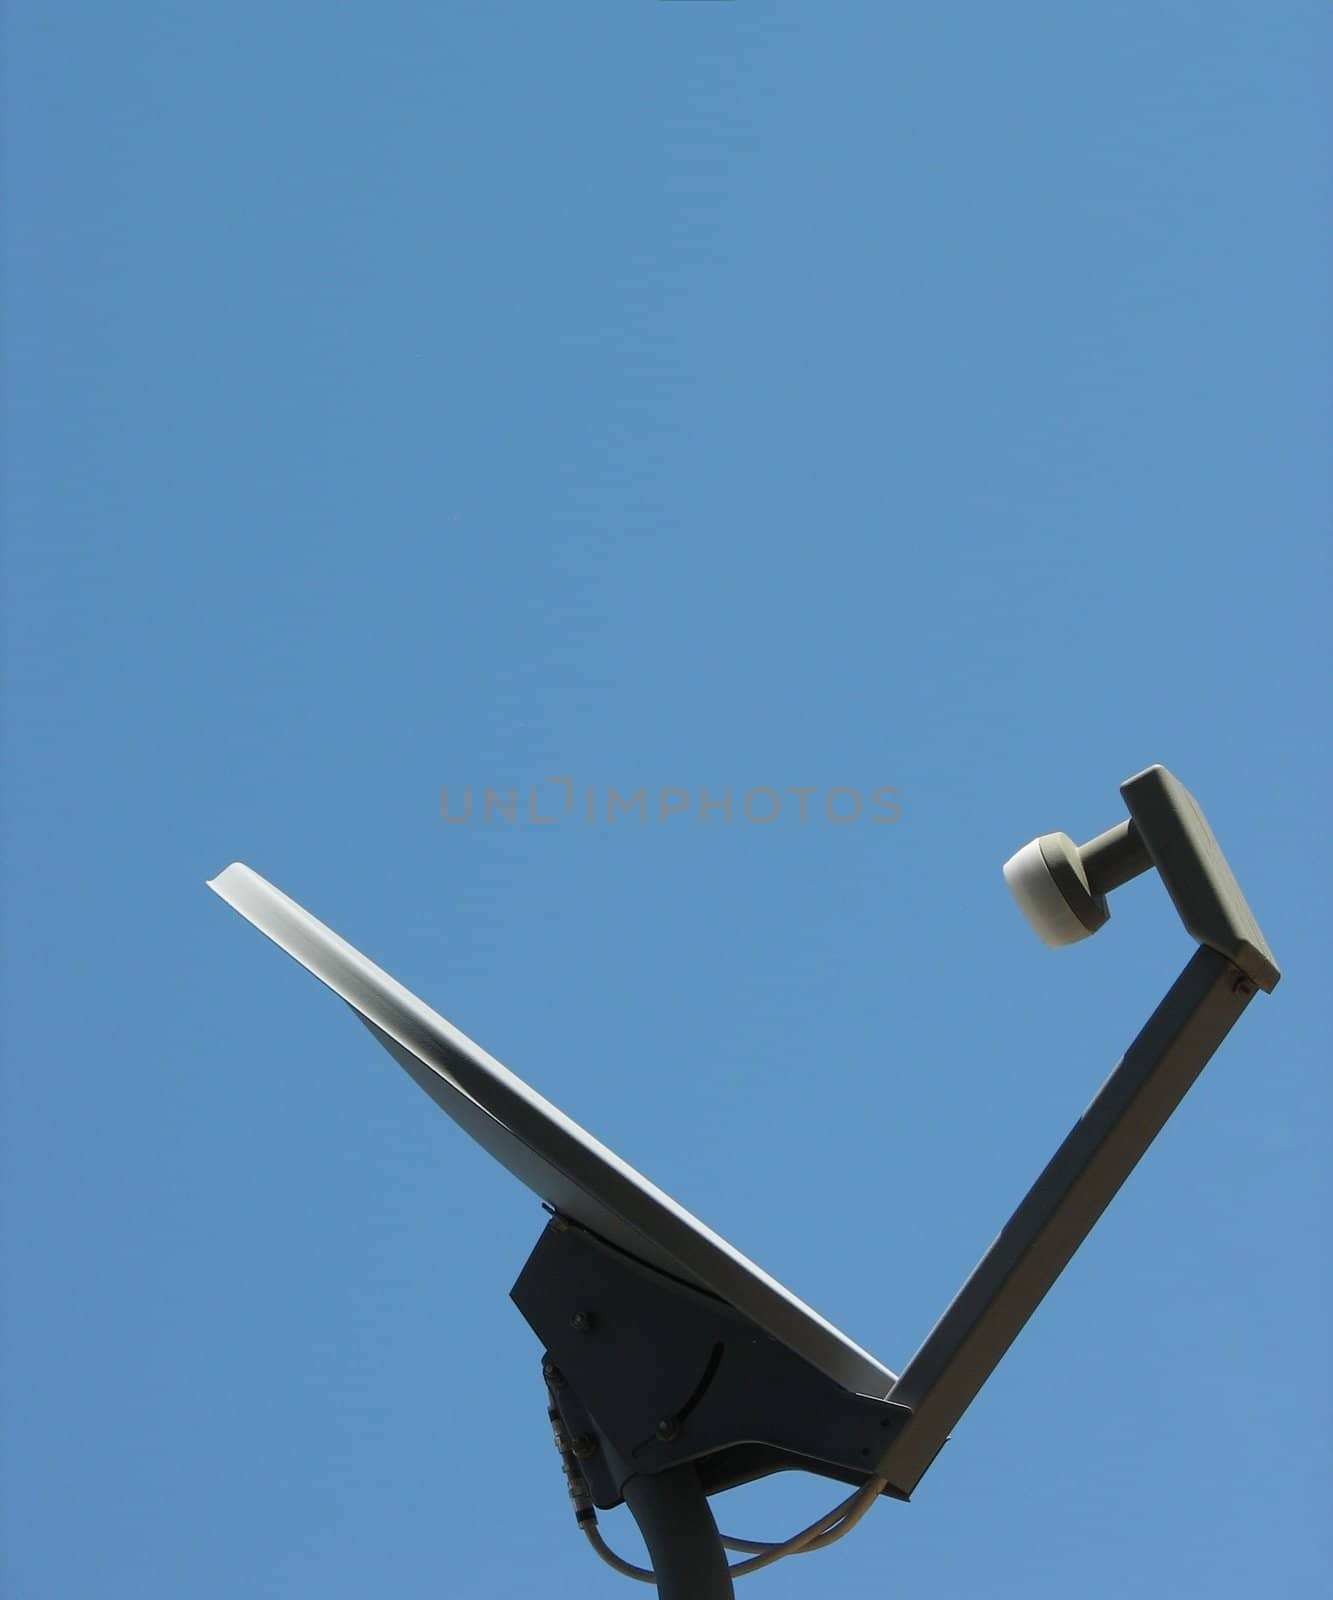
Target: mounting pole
column 677, row 1525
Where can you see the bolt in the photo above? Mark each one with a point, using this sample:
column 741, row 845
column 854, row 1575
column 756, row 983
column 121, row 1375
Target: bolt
column 583, row 1446
column 553, row 1374
column 582, row 1320
column 668, row 1428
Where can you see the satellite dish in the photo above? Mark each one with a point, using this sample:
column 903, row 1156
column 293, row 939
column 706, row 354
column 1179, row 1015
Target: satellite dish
column 675, row 1367
column 559, row 1161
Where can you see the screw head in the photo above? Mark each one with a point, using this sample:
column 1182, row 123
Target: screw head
column 582, row 1321
column 668, row 1428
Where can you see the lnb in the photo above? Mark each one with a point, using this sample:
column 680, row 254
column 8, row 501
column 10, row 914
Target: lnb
column 1062, row 887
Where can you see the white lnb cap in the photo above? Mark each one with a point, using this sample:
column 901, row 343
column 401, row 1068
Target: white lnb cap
column 1047, row 879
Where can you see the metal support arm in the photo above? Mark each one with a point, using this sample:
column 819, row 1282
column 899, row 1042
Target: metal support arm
column 1037, row 1242
column 1167, row 830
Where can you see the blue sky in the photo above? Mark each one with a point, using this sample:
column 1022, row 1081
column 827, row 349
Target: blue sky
column 765, row 394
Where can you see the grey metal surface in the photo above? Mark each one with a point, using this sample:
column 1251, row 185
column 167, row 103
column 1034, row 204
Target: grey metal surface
column 1114, row 857
column 1196, row 873
column 1065, row 865
column 661, row 1374
column 1059, row 1211
column 677, row 1525
column 558, row 1160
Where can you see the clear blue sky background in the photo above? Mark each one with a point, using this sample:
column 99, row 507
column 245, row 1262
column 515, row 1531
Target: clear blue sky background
column 403, row 397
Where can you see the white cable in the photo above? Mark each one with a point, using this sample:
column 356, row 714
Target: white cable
column 841, row 1520
column 612, row 1559
column 818, row 1536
